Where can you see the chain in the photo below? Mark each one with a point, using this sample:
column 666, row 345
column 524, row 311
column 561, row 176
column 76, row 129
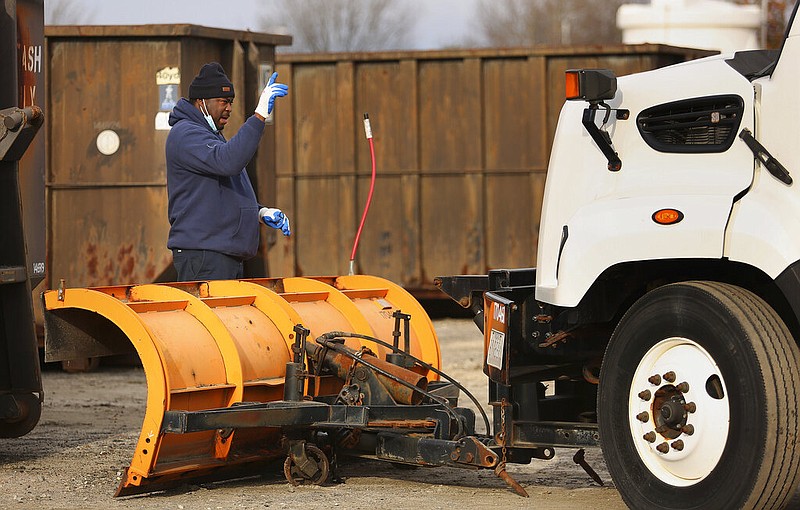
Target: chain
column 500, row 469
column 503, row 428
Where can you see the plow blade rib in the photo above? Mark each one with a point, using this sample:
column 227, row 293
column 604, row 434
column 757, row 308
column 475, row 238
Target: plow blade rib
column 218, row 344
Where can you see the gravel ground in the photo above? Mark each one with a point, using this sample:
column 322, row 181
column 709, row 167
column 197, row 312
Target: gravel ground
column 75, row 456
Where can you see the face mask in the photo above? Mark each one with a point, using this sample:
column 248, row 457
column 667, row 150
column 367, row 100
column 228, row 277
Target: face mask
column 208, row 118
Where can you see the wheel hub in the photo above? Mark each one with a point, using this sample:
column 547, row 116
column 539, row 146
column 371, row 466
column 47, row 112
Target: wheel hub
column 678, row 426
column 672, row 411
column 669, row 411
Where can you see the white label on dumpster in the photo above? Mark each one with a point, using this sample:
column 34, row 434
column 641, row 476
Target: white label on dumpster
column 168, row 76
column 168, row 81
column 494, row 355
column 162, row 121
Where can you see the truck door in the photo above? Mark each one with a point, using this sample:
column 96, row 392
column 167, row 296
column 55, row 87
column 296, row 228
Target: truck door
column 764, row 230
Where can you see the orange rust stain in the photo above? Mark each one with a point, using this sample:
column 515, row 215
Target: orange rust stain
column 126, row 262
column 91, row 260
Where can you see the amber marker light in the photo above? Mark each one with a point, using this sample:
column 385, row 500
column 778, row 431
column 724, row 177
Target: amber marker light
column 667, row 216
column 573, row 89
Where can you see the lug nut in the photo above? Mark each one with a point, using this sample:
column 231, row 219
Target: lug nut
column 670, row 377
column 650, row 437
column 663, row 447
column 655, row 380
column 643, row 417
column 645, row 395
column 682, row 387
column 690, row 407
column 677, row 445
column 688, row 429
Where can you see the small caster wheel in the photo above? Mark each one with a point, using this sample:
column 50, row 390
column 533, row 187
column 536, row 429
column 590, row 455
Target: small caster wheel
column 314, row 467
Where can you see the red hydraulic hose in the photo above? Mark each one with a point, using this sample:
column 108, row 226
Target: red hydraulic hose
column 368, row 132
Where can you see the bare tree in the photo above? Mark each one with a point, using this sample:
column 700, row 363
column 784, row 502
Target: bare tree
column 775, row 19
column 558, row 22
column 564, row 22
column 343, row 25
column 66, row 12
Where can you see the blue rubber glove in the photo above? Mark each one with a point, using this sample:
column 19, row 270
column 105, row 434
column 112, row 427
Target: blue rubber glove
column 276, row 219
column 271, row 91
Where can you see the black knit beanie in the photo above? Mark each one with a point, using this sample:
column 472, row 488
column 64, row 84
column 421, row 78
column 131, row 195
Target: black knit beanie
column 210, row 82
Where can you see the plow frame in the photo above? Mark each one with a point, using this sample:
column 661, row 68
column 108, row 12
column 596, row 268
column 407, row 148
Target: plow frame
column 414, row 434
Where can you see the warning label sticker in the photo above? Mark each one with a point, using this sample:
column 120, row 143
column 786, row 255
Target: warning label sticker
column 494, row 354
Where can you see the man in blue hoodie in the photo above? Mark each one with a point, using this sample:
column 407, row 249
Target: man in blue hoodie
column 213, row 211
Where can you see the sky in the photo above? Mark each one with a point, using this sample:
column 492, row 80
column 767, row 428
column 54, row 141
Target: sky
column 440, row 23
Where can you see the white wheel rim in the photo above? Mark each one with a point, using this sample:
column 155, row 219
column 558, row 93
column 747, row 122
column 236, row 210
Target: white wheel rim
column 688, row 455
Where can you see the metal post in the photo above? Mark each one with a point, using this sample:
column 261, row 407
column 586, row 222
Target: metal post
column 293, row 387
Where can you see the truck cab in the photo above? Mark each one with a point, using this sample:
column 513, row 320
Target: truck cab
column 662, row 319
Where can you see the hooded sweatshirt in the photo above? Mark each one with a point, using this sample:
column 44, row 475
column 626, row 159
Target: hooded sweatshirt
column 212, row 205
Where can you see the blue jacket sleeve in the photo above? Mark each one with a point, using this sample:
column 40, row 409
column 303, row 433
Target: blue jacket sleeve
column 204, row 152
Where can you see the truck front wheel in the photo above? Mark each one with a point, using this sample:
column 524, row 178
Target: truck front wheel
column 698, row 401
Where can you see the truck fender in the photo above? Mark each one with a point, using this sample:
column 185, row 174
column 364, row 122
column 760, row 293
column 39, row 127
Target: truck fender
column 608, row 232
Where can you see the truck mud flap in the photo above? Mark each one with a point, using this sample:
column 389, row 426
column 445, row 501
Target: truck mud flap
column 217, row 344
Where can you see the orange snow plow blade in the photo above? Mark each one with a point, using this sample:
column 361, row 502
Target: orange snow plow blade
column 216, row 344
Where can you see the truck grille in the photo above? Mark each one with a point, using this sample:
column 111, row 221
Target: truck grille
column 703, row 124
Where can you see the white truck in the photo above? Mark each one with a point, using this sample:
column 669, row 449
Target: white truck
column 664, row 311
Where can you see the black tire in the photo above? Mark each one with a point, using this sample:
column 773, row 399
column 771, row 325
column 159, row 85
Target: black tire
column 733, row 341
column 30, row 411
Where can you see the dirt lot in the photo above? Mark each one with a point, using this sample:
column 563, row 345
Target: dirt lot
column 74, row 458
